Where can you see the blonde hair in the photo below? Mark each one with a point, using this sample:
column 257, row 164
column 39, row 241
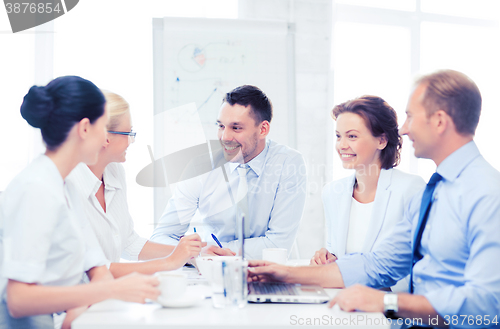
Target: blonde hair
column 116, row 106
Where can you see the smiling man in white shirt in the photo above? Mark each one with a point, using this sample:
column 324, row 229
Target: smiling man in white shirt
column 266, row 180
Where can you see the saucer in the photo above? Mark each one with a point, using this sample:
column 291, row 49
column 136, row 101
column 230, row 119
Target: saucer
column 187, row 300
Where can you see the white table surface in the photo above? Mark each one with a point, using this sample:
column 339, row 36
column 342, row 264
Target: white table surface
column 118, row 314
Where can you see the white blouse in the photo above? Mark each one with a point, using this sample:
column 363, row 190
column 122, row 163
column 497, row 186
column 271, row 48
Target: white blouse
column 42, row 238
column 114, row 228
column 359, row 221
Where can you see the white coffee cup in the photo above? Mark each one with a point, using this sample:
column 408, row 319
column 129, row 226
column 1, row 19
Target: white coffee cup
column 275, row 255
column 172, row 284
column 227, row 288
column 211, row 269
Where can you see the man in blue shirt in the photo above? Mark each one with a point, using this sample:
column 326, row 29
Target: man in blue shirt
column 453, row 260
column 266, row 180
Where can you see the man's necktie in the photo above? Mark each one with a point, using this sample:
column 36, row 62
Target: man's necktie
column 425, row 207
column 242, row 183
column 242, row 193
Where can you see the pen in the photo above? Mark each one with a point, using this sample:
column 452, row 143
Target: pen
column 215, row 238
column 199, row 254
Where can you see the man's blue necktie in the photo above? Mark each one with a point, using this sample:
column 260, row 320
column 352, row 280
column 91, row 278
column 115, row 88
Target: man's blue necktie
column 425, row 207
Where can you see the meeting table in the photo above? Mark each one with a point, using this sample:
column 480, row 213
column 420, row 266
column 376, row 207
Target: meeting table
column 111, row 314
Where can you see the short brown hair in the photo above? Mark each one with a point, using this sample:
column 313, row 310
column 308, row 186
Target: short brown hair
column 381, row 119
column 456, row 94
column 262, row 108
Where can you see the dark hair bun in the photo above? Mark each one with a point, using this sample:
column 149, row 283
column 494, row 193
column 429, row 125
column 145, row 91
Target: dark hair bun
column 37, row 106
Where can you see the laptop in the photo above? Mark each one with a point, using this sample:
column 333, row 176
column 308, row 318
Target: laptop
column 278, row 292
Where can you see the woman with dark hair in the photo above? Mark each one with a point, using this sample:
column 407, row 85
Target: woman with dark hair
column 362, row 209
column 44, row 248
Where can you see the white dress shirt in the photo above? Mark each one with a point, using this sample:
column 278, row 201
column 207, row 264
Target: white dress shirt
column 114, row 228
column 42, row 240
column 359, row 221
column 276, row 196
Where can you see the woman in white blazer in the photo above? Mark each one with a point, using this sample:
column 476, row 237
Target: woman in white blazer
column 362, row 209
column 44, row 248
column 102, row 186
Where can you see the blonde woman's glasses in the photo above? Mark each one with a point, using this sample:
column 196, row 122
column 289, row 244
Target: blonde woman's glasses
column 130, row 134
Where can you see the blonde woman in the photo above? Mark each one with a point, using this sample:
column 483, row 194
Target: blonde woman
column 44, row 247
column 103, row 186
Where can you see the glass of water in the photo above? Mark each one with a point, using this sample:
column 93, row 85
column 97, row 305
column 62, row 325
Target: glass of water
column 235, row 283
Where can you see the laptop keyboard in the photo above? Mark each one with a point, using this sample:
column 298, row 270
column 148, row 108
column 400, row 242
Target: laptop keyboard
column 271, row 288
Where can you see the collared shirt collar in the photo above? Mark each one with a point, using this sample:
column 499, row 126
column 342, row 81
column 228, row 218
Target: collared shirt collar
column 89, row 183
column 256, row 164
column 53, row 168
column 455, row 163
column 111, row 180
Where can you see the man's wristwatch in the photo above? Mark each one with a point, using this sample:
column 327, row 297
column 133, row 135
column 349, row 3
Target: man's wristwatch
column 390, row 305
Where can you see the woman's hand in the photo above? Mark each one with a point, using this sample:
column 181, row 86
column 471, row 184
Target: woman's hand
column 189, row 247
column 322, row 257
column 135, row 288
column 71, row 315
